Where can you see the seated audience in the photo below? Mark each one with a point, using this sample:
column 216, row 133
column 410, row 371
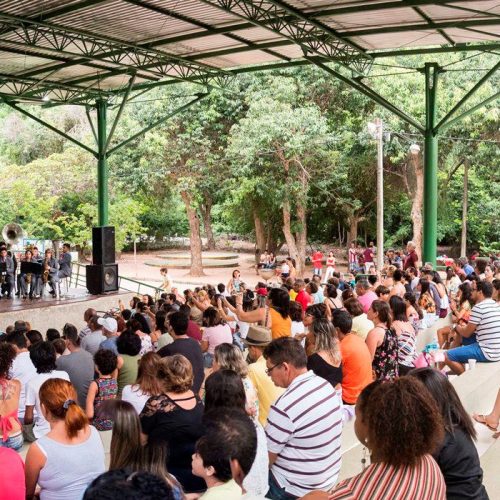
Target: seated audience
column 12, row 483
column 406, row 335
column 356, row 359
column 66, row 460
column 43, row 356
column 364, row 294
column 103, row 388
column 456, row 456
column 361, row 325
column 216, row 332
column 174, row 418
column 10, row 391
column 492, row 420
column 401, row 426
column 92, row 340
column 129, row 347
column 295, row 434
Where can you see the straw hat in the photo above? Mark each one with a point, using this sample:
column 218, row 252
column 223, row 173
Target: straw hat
column 258, row 336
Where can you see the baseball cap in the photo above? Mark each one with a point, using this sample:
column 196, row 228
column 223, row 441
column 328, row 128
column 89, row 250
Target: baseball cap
column 109, row 324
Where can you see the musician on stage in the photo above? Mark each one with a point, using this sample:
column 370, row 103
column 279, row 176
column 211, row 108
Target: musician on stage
column 6, row 273
column 65, row 262
column 30, row 279
column 36, row 285
column 50, row 272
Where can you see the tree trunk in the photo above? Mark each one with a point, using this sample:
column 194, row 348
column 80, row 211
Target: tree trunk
column 206, row 213
column 194, row 236
column 463, row 245
column 416, row 205
column 301, row 239
column 353, row 220
column 260, row 234
column 290, row 239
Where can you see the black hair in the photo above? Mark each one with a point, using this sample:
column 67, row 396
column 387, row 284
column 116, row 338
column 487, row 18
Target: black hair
column 185, row 309
column 313, row 286
column 486, row 288
column 286, row 350
column 71, row 333
column 296, row 311
column 106, row 361
column 449, row 404
column 139, row 322
column 398, row 308
column 160, row 317
column 372, row 279
column 317, row 311
column 436, row 278
column 425, row 286
column 179, row 323
column 224, row 389
column 43, row 356
column 7, row 356
column 211, row 317
column 342, row 320
column 331, row 291
column 120, row 484
column 34, row 336
column 17, row 338
column 126, row 314
column 52, row 334
column 232, row 433
column 221, row 288
column 280, row 300
column 412, row 299
column 128, row 343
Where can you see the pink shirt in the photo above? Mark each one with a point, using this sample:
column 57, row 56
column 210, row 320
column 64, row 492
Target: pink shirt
column 12, row 486
column 367, row 299
column 216, row 335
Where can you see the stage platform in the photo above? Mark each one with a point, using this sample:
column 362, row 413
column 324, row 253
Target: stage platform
column 48, row 312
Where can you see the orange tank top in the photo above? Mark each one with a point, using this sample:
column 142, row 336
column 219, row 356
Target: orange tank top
column 280, row 327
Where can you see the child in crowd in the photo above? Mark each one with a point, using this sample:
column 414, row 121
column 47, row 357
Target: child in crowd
column 104, row 388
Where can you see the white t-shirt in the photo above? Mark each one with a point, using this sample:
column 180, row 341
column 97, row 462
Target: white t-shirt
column 41, row 426
column 285, row 268
column 23, row 370
column 486, row 317
column 133, row 395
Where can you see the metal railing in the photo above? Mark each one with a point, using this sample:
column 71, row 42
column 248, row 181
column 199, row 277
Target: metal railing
column 78, row 280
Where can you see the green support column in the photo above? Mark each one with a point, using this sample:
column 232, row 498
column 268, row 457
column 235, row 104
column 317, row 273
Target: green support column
column 430, row 165
column 102, row 164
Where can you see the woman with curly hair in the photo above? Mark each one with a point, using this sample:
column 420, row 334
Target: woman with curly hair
column 10, row 390
column 400, row 424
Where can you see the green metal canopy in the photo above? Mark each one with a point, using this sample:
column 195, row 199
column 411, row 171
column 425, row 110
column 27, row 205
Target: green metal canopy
column 96, row 52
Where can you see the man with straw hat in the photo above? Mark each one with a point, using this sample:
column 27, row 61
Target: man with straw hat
column 258, row 337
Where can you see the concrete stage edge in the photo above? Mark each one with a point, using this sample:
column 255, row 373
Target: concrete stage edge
column 56, row 313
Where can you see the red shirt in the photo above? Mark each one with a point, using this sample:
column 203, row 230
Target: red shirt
column 304, row 299
column 368, row 255
column 411, row 260
column 317, row 259
column 193, row 331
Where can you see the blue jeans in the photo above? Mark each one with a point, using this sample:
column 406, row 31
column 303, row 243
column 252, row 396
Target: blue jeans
column 465, row 352
column 237, row 341
column 15, row 442
column 208, row 360
column 276, row 492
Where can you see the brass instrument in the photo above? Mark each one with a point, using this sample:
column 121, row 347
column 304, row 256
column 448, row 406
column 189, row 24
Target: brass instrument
column 28, row 278
column 46, row 271
column 12, row 233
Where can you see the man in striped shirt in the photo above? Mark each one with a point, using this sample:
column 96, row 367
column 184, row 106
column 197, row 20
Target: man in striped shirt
column 303, row 427
column 485, row 323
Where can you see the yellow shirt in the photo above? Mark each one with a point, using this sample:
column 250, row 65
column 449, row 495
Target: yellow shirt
column 267, row 392
column 280, row 327
column 226, row 491
column 292, row 294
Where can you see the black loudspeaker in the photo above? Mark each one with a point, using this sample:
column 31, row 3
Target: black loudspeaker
column 103, row 245
column 102, row 278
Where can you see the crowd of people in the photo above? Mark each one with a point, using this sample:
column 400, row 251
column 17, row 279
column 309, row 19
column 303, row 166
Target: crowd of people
column 227, row 392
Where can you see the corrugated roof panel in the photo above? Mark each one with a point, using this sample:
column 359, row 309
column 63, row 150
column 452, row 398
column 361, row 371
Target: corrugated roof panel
column 212, row 42
column 441, row 12
column 400, row 40
column 291, row 51
column 123, row 21
column 28, row 8
column 231, row 61
column 15, row 63
column 462, row 36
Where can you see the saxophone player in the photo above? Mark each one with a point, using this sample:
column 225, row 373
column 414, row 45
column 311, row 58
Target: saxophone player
column 36, row 284
column 65, row 262
column 26, row 279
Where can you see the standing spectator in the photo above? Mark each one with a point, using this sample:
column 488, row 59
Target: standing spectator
column 411, row 259
column 382, row 342
column 304, row 445
column 104, row 388
column 352, row 255
column 188, row 347
column 22, row 369
column 92, row 341
column 147, row 383
column 43, row 356
column 317, row 260
column 365, row 295
column 110, row 331
column 457, row 456
column 484, row 322
column 10, row 427
column 78, row 364
column 257, row 339
column 216, row 332
column 368, row 256
column 87, row 316
column 65, row 461
column 174, row 418
column 356, row 359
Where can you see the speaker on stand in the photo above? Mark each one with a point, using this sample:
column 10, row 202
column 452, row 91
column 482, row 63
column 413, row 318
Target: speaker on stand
column 102, row 275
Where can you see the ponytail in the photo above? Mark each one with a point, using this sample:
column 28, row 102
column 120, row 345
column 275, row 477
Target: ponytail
column 75, row 419
column 59, row 398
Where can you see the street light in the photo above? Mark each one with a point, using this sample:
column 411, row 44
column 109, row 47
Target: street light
column 376, row 130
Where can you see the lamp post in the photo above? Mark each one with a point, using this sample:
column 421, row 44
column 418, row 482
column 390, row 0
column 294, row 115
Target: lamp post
column 376, row 130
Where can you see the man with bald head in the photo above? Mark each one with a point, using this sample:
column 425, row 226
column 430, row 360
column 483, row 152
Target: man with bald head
column 87, row 315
